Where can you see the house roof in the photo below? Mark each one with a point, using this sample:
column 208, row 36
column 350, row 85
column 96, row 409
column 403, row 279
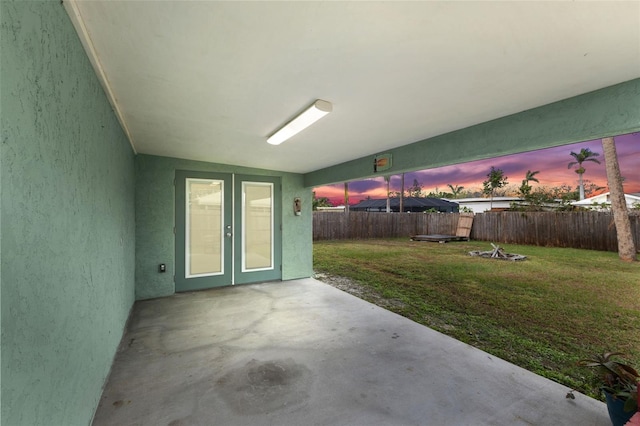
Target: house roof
column 408, row 202
column 211, row 80
column 604, row 198
column 486, row 200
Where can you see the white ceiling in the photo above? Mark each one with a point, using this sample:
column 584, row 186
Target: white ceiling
column 211, row 80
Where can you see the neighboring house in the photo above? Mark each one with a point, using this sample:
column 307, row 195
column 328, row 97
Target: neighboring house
column 410, row 205
column 603, row 201
column 481, row 205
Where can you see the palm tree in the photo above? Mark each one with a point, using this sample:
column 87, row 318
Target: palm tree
column 584, row 155
column 455, row 190
column 525, row 188
column 626, row 247
column 530, row 176
column 401, row 209
column 387, row 179
column 346, row 197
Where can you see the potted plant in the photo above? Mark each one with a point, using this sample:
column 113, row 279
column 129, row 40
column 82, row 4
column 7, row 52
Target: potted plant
column 619, row 382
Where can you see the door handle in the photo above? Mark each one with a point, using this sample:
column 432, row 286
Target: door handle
column 228, row 234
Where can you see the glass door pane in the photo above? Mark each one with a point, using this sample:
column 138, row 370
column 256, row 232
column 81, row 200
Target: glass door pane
column 204, row 227
column 257, row 222
column 204, row 230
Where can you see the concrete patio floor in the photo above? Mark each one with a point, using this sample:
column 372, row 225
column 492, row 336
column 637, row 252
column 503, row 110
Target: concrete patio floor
column 304, row 353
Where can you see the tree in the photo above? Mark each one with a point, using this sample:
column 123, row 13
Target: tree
column 543, row 198
column 387, row 179
column 438, row 194
column 583, row 156
column 416, row 189
column 626, row 247
column 590, row 188
column 346, row 197
column 320, row 202
column 495, row 179
column 565, row 193
column 401, row 209
column 455, row 190
column 525, row 188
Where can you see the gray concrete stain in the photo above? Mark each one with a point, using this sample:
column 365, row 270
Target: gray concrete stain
column 261, row 387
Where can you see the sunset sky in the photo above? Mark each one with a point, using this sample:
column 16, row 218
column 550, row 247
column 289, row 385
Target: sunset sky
column 552, row 164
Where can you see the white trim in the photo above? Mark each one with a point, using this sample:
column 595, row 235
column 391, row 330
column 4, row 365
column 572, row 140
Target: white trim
column 233, row 229
column 71, row 6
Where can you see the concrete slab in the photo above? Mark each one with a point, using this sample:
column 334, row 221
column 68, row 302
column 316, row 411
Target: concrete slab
column 304, row 353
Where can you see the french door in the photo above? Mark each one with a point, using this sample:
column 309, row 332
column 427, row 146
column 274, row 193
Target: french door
column 227, row 230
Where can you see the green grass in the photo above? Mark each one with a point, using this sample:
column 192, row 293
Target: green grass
column 543, row 314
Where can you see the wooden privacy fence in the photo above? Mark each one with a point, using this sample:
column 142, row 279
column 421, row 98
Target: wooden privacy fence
column 586, row 230
column 363, row 225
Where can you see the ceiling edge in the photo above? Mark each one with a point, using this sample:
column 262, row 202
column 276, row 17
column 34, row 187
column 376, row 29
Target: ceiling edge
column 606, row 112
column 73, row 11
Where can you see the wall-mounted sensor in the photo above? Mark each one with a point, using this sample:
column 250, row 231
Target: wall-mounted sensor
column 162, row 268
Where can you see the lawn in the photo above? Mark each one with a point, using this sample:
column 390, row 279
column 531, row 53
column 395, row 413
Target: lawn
column 543, row 314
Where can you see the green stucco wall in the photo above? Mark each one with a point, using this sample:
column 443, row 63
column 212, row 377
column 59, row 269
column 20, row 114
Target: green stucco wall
column 67, row 225
column 155, row 219
column 610, row 111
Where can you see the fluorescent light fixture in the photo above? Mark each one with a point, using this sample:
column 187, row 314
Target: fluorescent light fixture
column 315, row 112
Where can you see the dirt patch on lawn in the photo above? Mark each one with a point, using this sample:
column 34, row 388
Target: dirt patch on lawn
column 360, row 290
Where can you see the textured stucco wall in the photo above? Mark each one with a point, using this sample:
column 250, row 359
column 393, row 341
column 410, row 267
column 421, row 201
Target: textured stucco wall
column 67, row 225
column 155, row 217
column 610, row 111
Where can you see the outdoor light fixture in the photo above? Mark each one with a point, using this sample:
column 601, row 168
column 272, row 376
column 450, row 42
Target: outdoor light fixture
column 315, row 112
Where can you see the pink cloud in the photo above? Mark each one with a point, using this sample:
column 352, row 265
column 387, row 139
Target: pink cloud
column 551, row 163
